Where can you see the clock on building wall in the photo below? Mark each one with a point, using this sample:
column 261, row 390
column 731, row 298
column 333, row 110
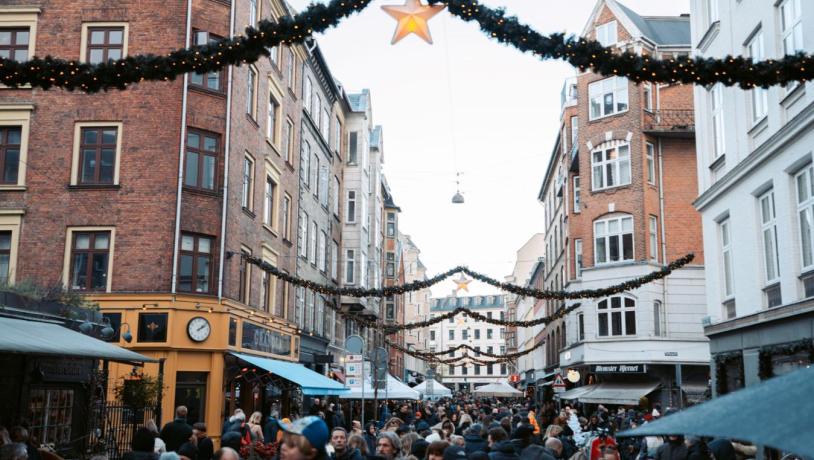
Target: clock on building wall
column 199, row 329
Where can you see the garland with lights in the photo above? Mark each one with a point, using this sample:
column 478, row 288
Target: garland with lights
column 584, row 54
column 429, row 355
column 722, row 361
column 765, row 366
column 513, row 288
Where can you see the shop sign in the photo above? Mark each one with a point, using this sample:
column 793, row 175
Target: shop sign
column 65, row 369
column 559, row 384
column 354, row 369
column 619, row 369
column 259, row 338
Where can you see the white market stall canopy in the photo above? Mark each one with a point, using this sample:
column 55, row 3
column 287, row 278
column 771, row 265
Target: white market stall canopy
column 438, row 389
column 395, row 390
column 498, row 390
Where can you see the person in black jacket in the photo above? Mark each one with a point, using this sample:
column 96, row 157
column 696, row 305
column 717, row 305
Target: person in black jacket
column 473, row 440
column 339, row 441
column 178, row 431
column 697, row 449
column 205, row 447
column 673, row 449
column 143, row 446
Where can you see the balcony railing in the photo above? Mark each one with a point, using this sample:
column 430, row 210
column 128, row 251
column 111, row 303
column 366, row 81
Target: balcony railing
column 680, row 122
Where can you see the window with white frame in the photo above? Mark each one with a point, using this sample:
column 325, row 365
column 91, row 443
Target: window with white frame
column 726, row 257
column 577, row 190
column 273, row 119
column 313, row 231
column 252, row 12
column 613, row 240
column 711, row 8
column 247, row 195
column 651, row 163
column 647, row 93
column 611, row 165
column 760, row 96
column 334, row 260
column 653, row 229
column 768, row 222
column 322, row 253
column 350, row 266
column 350, row 208
column 581, row 327
column 578, row 257
column 659, row 319
column 251, row 92
column 325, row 125
column 337, row 136
column 608, row 97
column 324, row 174
column 606, row 34
column 285, row 217
column 302, row 235
column 616, row 316
column 307, row 90
column 717, row 105
column 336, row 197
column 574, row 131
column 305, row 164
column 315, row 167
column 805, row 213
column 268, row 202
column 791, row 26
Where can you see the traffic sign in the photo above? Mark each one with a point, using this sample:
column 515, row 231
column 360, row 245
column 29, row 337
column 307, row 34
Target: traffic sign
column 559, row 384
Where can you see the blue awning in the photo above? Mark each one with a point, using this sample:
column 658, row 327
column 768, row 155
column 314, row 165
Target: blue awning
column 311, row 382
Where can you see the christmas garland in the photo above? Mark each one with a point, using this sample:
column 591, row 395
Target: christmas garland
column 513, row 288
column 430, row 355
column 765, row 366
column 722, row 360
column 584, row 54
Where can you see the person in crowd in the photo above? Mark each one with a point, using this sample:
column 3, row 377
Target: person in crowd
column 255, row 428
column 457, row 440
column 232, row 440
column 13, row 451
column 271, row 429
column 356, row 427
column 536, row 452
column 356, row 441
column 20, row 434
column 697, row 449
column 160, row 446
column 554, row 447
column 435, row 450
column 673, row 449
column 722, row 449
column 342, row 450
column 500, row 447
column 474, row 441
column 4, row 436
column 143, row 446
column 532, row 418
column 315, row 408
column 419, row 448
column 388, row 445
column 234, row 422
column 405, row 414
column 188, row 450
column 177, row 431
column 226, row 453
column 205, row 447
column 609, row 452
column 407, row 440
column 393, row 424
column 454, row 452
column 370, row 437
column 463, row 424
column 304, row 439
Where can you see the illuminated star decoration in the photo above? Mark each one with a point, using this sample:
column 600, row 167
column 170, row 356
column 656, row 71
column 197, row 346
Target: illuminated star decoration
column 462, row 283
column 412, row 18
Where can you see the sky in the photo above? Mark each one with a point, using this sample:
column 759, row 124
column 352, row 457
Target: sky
column 464, row 104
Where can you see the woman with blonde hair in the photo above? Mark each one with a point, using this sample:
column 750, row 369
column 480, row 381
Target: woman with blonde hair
column 553, row 431
column 407, row 441
column 255, row 428
column 160, row 447
column 358, row 442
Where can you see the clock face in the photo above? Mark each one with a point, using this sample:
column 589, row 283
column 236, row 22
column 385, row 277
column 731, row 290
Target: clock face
column 199, row 329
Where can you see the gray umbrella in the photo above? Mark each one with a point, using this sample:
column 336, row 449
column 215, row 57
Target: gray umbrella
column 775, row 413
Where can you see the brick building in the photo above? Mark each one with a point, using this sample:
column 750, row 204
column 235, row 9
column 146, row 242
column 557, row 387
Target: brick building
column 618, row 197
column 394, row 274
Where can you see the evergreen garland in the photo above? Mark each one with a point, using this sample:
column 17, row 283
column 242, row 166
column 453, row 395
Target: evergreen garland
column 722, row 360
column 765, row 366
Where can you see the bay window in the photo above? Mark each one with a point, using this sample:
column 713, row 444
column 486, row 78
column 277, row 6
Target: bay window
column 613, row 240
column 616, row 316
column 608, row 97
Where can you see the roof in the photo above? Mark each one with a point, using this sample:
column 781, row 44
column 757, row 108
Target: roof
column 376, row 137
column 478, row 302
column 52, row 339
column 358, row 101
column 661, row 30
column 312, row 383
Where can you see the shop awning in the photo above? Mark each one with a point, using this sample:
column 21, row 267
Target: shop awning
column 52, row 339
column 312, row 383
column 626, row 393
column 575, row 393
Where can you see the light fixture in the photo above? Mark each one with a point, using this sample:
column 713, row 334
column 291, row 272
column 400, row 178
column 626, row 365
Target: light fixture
column 107, row 331
column 126, row 335
column 86, row 327
column 458, row 198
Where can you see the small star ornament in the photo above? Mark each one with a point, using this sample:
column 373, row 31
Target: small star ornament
column 412, row 18
column 462, row 283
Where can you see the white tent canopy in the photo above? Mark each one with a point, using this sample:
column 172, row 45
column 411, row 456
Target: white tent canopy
column 395, row 390
column 498, row 390
column 438, row 389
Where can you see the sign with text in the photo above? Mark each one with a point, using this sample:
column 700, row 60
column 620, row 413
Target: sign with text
column 619, row 369
column 354, row 369
column 259, row 338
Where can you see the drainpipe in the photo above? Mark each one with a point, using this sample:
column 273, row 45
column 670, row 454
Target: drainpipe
column 181, row 152
column 226, row 147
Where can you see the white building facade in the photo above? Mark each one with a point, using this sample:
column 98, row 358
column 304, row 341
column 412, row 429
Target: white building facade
column 756, row 186
column 416, row 308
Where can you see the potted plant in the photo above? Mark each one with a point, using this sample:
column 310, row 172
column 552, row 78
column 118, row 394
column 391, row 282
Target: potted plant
column 138, row 392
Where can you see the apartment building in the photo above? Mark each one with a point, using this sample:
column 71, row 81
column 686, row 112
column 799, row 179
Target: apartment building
column 755, row 179
column 618, row 194
column 416, row 308
column 480, row 335
column 527, row 256
column 394, row 275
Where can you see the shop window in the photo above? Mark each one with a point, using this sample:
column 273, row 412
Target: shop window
column 190, row 391
column 232, row 332
column 50, row 412
column 115, row 321
column 152, row 327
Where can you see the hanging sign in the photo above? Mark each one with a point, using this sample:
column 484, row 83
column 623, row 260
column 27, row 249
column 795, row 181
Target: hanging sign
column 559, row 384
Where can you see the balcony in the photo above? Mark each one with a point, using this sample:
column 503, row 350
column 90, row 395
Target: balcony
column 670, row 123
column 568, row 95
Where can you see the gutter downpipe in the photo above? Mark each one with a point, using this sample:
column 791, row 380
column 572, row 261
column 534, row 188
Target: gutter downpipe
column 181, row 154
column 226, row 146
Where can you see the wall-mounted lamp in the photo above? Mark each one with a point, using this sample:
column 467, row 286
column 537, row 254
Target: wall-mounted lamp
column 126, row 335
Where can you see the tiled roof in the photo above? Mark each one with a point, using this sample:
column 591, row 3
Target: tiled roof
column 478, row 302
column 662, row 30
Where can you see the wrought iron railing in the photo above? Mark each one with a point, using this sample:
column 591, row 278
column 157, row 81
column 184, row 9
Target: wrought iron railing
column 670, row 120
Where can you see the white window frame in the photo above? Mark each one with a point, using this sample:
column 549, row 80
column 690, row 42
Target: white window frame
column 336, row 196
column 305, row 163
column 617, row 87
column 659, row 319
column 653, row 235
column 791, row 26
column 804, row 186
column 574, row 130
column 711, row 12
column 610, row 160
column 718, row 132
column 608, row 310
column 727, row 261
column 607, row 34
column 650, row 153
column 322, row 252
column 337, row 136
column 350, row 266
column 647, row 95
column 251, row 92
column 269, row 201
column 252, row 12
column 247, row 186
column 334, row 260
column 578, row 263
column 302, row 235
column 602, row 231
column 768, row 227
column 307, row 89
column 577, row 197
column 759, row 96
column 313, row 231
column 285, row 217
column 350, row 206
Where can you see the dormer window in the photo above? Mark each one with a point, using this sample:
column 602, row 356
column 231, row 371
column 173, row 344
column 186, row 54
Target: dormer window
column 606, row 34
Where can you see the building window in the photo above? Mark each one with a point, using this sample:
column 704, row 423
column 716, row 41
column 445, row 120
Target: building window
column 244, row 294
column 305, row 164
column 51, row 414
column 712, row 11
column 391, row 225
column 350, row 261
column 611, row 165
column 252, row 12
column 5, row 257
column 194, row 268
column 210, row 80
column 768, row 222
column 488, row 334
column 391, row 265
column 653, row 236
column 432, row 336
column 730, row 311
column 353, row 148
column 616, row 316
column 489, row 369
column 302, row 234
column 247, row 197
column 289, row 136
column 97, row 155
column 503, row 369
column 316, row 112
column 313, row 231
column 792, row 26
column 337, row 136
column 760, row 96
column 322, row 252
column 273, row 119
column 451, row 369
column 477, row 334
column 581, row 326
column 251, row 92
column 309, row 310
column 323, row 185
column 390, row 308
column 14, row 43
column 608, row 97
column 805, row 213
column 659, row 319
column 201, row 160
column 574, row 131
column 613, row 240
column 717, row 105
column 336, row 196
column 647, row 94
column 268, row 204
column 266, row 293
column 606, row 34
column 90, row 257
column 334, row 260
column 350, row 210
column 307, row 89
column 465, row 334
column 651, row 163
column 10, row 144
column 464, row 370
column 104, row 43
column 325, row 125
column 726, row 256
column 291, row 68
column 578, row 257
column 285, row 217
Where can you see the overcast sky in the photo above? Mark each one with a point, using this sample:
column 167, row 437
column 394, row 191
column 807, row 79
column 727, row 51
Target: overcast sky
column 468, row 104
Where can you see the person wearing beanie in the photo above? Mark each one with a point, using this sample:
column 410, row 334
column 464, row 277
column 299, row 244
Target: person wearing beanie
column 419, row 448
column 304, row 439
column 454, row 453
column 388, row 445
column 672, row 449
column 473, row 440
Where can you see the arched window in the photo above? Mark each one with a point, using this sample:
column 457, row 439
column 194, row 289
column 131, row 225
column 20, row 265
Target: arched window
column 616, row 316
column 613, row 239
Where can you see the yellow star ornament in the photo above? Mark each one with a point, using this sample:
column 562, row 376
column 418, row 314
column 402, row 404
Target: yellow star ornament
column 462, row 283
column 412, row 18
